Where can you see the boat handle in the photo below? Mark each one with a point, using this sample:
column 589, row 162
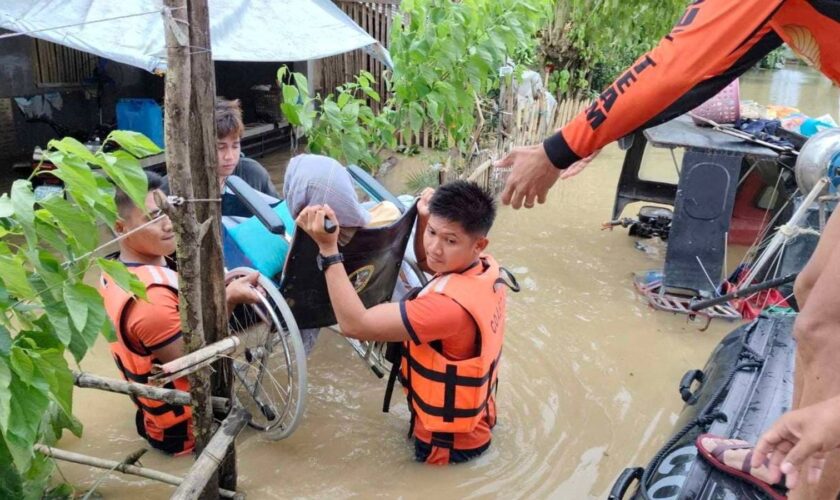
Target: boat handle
column 624, row 481
column 685, row 383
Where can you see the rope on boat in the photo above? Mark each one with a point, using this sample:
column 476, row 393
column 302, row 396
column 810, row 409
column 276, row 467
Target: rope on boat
column 748, row 358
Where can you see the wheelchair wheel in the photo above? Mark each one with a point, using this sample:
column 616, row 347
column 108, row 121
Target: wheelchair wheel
column 270, row 369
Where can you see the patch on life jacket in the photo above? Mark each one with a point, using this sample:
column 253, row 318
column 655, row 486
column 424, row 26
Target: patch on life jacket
column 360, row 277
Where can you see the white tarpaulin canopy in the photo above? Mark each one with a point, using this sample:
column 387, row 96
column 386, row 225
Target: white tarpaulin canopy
column 132, row 31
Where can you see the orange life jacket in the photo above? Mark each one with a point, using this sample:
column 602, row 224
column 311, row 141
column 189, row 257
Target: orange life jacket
column 166, row 426
column 451, row 396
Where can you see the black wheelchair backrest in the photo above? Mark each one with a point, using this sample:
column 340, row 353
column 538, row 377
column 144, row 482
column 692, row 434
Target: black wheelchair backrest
column 372, row 258
column 252, row 203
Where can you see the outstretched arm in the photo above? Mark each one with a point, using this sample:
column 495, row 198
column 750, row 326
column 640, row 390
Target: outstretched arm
column 713, row 43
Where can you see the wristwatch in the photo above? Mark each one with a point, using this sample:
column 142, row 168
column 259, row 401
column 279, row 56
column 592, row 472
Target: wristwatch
column 326, row 261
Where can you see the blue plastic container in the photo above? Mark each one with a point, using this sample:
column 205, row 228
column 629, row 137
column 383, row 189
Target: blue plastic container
column 141, row 115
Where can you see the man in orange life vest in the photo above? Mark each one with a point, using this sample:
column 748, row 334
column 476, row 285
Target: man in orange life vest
column 149, row 331
column 451, row 332
column 712, row 44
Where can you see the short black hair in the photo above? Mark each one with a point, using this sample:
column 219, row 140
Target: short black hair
column 125, row 203
column 466, row 203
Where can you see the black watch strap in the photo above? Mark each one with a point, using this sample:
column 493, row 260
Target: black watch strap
column 326, row 261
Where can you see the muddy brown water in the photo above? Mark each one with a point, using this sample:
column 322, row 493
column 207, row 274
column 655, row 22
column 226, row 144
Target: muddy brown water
column 588, row 383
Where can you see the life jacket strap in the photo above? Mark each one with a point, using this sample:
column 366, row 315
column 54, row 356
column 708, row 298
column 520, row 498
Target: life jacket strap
column 443, row 440
column 392, row 376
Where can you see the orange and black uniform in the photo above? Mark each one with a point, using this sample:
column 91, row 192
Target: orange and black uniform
column 143, row 327
column 449, row 368
column 713, row 43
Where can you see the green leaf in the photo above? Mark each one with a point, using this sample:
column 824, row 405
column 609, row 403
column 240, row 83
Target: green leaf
column 300, row 81
column 6, row 207
column 22, row 366
column 5, row 341
column 11, row 482
column 52, row 367
column 415, row 117
column 27, row 405
column 124, row 278
column 5, row 393
column 77, row 305
column 71, row 147
column 290, row 94
column 351, row 112
column 343, row 99
column 82, row 340
column 23, row 201
column 13, row 275
column 108, row 331
column 75, row 223
column 61, row 492
column 128, row 175
column 291, row 114
column 47, row 230
column 105, row 206
column 76, row 174
column 49, row 273
column 372, row 94
column 135, row 143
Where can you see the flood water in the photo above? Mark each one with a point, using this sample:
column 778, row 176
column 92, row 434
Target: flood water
column 588, row 384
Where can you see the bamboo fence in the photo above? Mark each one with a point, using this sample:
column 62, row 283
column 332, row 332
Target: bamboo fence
column 520, row 123
column 376, row 17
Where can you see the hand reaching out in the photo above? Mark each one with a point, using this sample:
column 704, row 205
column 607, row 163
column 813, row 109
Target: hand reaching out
column 796, row 445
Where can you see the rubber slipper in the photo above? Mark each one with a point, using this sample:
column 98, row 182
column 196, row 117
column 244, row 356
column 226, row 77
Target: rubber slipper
column 741, row 474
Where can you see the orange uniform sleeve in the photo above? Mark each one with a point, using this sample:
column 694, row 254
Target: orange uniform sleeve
column 156, row 322
column 712, row 44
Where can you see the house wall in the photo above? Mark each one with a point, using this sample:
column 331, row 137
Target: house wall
column 16, row 70
column 83, row 106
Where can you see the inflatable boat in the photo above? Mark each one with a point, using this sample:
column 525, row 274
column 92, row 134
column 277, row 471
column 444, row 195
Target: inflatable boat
column 746, row 385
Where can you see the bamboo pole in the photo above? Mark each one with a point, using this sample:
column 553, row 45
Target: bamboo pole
column 169, row 396
column 206, row 464
column 125, row 468
column 179, row 367
column 480, row 170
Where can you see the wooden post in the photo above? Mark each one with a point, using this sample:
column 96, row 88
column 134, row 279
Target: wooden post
column 201, row 473
column 191, row 164
column 206, row 185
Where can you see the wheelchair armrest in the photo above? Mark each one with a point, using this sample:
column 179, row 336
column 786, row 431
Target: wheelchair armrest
column 373, row 187
column 254, row 202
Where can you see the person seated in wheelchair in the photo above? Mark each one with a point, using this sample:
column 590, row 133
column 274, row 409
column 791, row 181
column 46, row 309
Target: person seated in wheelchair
column 315, row 179
column 309, row 179
column 450, row 331
column 149, row 331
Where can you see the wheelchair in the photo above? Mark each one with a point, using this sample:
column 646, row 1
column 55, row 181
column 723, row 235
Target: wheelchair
column 270, row 371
